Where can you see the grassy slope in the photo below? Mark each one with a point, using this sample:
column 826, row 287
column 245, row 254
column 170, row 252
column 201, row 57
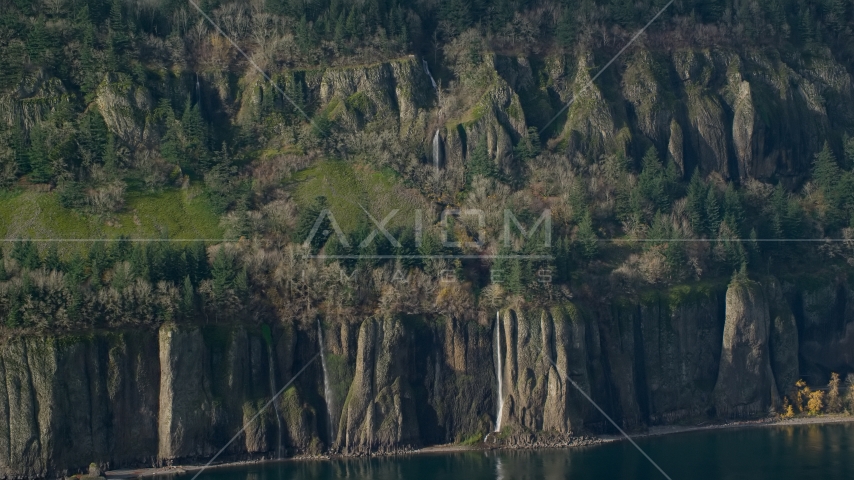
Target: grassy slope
column 184, row 214
column 174, row 213
column 346, row 186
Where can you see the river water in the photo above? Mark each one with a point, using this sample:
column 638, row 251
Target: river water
column 772, row 453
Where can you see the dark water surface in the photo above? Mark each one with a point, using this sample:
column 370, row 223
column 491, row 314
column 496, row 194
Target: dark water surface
column 773, row 453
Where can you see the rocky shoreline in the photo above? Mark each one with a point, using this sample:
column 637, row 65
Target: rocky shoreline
column 491, row 442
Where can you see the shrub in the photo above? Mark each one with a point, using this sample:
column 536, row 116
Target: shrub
column 816, row 402
column 107, row 198
column 849, row 397
column 788, row 411
column 834, row 400
column 70, row 195
column 801, row 395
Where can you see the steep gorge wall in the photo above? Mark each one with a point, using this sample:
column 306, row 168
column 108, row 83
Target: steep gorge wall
column 180, row 393
column 736, row 113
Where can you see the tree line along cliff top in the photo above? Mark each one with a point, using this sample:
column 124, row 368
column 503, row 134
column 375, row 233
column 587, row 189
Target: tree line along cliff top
column 710, row 145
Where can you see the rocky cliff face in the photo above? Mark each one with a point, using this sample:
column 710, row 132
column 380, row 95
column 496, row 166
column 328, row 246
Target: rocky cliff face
column 745, row 381
column 181, row 392
column 738, row 114
column 65, row 398
column 825, row 309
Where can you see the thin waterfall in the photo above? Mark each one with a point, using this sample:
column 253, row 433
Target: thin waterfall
column 327, row 392
column 427, row 71
column 437, row 150
column 272, row 375
column 498, row 371
column 437, row 140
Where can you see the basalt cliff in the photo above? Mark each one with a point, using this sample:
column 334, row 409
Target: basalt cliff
column 681, row 348
column 179, row 393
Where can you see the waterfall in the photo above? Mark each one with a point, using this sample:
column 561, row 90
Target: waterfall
column 327, row 392
column 272, row 375
column 427, row 71
column 437, row 145
column 498, row 371
column 437, row 140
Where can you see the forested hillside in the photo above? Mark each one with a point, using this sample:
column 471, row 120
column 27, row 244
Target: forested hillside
column 185, row 226
column 127, row 120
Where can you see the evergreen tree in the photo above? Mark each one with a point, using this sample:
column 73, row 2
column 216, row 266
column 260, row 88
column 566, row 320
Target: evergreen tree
column 222, row 188
column 38, row 40
column 733, row 209
column 197, row 264
column 754, row 250
column 70, row 195
column 75, row 271
column 39, row 162
column 529, row 146
column 20, row 149
column 479, row 163
column 92, row 137
column 241, row 285
column 805, row 24
column 567, row 28
column 296, row 95
column 623, row 12
column 563, row 260
column 119, row 39
column 848, row 144
column 730, row 248
column 222, row 273
column 711, row 10
column 111, row 154
column 27, row 254
column 785, row 215
column 51, row 260
column 188, row 302
column 430, row 247
column 340, row 32
column 713, row 212
column 653, row 182
column 776, row 14
column 351, row 25
column 140, row 266
column 3, row 274
column 120, row 250
column 834, row 189
column 515, row 276
column 158, row 261
column 88, row 64
column 13, row 65
column 825, row 170
column 696, row 204
column 304, row 35
column 586, row 237
column 196, row 135
column 98, row 263
column 406, row 249
column 170, row 147
column 659, row 232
